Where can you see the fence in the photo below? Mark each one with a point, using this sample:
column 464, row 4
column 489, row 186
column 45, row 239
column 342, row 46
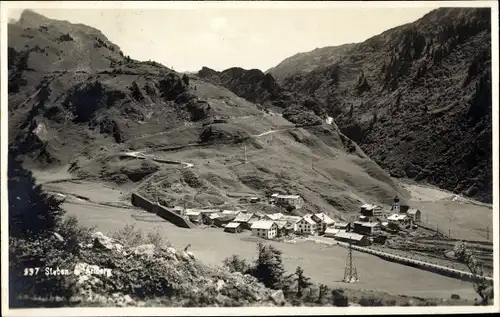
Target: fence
column 442, row 270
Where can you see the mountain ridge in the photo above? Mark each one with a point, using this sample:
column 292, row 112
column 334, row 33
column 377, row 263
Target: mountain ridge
column 384, row 92
column 86, row 113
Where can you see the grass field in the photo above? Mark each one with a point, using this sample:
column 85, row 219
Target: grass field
column 463, row 219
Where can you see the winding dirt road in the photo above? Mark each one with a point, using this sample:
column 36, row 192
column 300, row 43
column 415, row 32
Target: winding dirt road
column 140, row 155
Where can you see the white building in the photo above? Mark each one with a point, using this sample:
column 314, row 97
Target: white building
column 265, row 229
column 323, row 221
column 307, row 225
column 292, row 201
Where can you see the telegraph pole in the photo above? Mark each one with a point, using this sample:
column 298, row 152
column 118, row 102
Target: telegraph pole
column 350, row 273
column 488, row 233
column 449, row 233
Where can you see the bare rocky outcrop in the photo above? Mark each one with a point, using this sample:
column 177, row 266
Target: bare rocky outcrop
column 110, row 274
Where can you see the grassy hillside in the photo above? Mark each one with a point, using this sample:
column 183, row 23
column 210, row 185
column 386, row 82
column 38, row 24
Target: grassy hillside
column 87, row 111
column 416, row 98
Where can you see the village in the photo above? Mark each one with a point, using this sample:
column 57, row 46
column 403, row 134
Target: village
column 371, row 225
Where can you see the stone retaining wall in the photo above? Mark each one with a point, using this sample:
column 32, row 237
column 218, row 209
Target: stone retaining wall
column 161, row 211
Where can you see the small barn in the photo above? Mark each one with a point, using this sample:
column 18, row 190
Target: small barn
column 414, row 214
column 233, row 227
column 331, row 232
column 194, row 216
column 354, row 238
column 223, row 220
column 209, row 218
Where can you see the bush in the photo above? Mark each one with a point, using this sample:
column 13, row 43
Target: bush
column 130, row 236
column 339, row 298
column 481, row 286
column 371, row 301
column 156, row 239
column 73, row 233
column 235, row 264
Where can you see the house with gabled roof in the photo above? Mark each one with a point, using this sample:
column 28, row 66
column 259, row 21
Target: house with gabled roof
column 307, row 225
column 233, row 227
column 414, row 214
column 246, row 219
column 209, row 218
column 266, row 229
column 323, row 221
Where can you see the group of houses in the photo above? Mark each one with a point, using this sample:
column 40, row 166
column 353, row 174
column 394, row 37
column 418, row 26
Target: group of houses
column 367, row 228
column 287, row 202
column 373, row 219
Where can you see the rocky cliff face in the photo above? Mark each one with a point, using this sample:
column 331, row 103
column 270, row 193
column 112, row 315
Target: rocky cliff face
column 416, row 98
column 253, row 85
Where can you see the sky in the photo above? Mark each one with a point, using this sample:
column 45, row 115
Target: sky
column 220, row 38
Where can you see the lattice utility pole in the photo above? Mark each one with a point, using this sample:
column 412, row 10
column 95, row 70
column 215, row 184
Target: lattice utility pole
column 350, row 273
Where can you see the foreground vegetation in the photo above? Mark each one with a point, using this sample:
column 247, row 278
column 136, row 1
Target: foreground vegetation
column 147, row 271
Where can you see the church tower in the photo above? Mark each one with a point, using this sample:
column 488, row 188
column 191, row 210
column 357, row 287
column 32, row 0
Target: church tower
column 395, row 205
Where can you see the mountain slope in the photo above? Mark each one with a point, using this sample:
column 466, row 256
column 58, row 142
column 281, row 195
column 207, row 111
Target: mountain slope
column 82, row 103
column 416, row 98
